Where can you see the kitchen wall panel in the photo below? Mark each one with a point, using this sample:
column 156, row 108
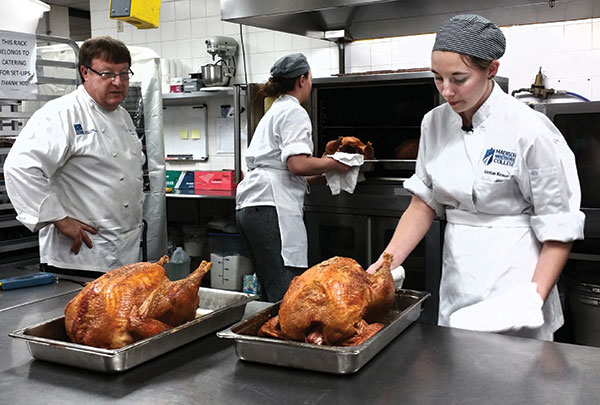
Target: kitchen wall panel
column 569, row 52
column 552, row 46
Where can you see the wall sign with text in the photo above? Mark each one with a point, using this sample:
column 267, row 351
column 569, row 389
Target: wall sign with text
column 17, row 65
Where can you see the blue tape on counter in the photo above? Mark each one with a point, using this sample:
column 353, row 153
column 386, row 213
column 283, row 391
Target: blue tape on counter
column 26, row 280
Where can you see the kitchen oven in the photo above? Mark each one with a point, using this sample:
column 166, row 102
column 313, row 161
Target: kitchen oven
column 579, row 123
column 386, row 110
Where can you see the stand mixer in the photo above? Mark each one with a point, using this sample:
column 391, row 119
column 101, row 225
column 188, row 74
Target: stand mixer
column 219, row 73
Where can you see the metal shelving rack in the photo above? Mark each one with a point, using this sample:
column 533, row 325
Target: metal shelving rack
column 19, row 246
column 235, row 91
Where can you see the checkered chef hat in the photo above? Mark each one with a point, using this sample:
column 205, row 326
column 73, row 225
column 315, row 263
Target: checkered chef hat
column 290, row 66
column 471, row 35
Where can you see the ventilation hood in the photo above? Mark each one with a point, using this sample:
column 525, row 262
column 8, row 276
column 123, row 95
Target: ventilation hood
column 349, row 20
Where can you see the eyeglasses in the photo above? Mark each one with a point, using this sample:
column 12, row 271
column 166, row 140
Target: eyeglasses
column 111, row 75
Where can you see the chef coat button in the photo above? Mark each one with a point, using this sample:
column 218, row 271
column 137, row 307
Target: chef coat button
column 122, row 178
column 115, row 154
column 103, row 130
column 126, row 205
column 134, row 153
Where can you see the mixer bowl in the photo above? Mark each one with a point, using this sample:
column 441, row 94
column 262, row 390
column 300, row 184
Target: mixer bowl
column 215, row 75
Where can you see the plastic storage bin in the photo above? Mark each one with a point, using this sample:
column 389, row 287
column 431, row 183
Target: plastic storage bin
column 228, row 272
column 21, row 15
column 230, row 259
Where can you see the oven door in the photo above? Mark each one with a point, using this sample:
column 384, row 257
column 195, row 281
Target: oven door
column 579, row 123
column 422, row 266
column 332, row 234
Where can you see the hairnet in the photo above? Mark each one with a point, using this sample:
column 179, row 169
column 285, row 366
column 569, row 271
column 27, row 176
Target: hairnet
column 289, row 66
column 471, row 35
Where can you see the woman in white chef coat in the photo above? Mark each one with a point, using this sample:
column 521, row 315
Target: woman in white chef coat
column 75, row 170
column 270, row 198
column 506, row 181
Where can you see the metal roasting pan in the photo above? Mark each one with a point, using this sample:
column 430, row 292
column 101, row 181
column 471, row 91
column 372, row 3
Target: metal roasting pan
column 331, row 359
column 48, row 340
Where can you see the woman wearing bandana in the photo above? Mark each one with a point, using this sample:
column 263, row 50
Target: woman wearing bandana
column 506, row 181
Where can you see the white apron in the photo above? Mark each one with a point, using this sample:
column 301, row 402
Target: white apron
column 288, row 194
column 488, row 253
column 489, row 185
column 284, row 131
column 484, row 253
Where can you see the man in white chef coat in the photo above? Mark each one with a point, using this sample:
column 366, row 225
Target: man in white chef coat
column 75, row 171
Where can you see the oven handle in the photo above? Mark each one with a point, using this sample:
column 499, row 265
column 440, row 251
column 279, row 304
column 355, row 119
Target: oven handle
column 390, row 179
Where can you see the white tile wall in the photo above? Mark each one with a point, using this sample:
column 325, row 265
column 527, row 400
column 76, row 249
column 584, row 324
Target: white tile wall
column 568, row 52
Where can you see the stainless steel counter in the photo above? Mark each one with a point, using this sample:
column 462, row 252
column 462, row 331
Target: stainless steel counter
column 425, row 364
column 23, row 296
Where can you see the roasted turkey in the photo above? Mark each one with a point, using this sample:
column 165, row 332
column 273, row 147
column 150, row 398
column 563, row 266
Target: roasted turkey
column 350, row 144
column 131, row 303
column 333, row 303
column 409, row 149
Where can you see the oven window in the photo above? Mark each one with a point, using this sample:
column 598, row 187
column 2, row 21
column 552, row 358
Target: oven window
column 332, row 235
column 388, row 116
column 581, row 131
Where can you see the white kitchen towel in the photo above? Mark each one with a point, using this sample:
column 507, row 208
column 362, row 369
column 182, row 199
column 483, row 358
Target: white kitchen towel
column 398, row 274
column 519, row 307
column 344, row 181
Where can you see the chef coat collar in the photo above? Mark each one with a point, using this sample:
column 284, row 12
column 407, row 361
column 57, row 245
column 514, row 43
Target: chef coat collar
column 289, row 96
column 91, row 100
column 485, row 110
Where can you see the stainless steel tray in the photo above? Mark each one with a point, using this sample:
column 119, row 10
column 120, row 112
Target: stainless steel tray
column 331, row 359
column 48, row 340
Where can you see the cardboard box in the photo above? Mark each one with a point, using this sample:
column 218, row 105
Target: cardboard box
column 215, row 180
column 179, row 180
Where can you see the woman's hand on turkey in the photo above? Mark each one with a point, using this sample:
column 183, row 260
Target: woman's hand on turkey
column 76, row 231
column 375, row 266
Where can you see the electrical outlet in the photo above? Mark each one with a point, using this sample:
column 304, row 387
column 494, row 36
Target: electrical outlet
column 119, row 26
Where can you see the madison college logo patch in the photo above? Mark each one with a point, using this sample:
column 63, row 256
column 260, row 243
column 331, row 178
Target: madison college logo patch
column 502, row 157
column 489, row 155
column 78, row 129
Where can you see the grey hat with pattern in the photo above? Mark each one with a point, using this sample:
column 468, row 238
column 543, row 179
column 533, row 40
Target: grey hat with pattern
column 290, row 66
column 472, row 35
